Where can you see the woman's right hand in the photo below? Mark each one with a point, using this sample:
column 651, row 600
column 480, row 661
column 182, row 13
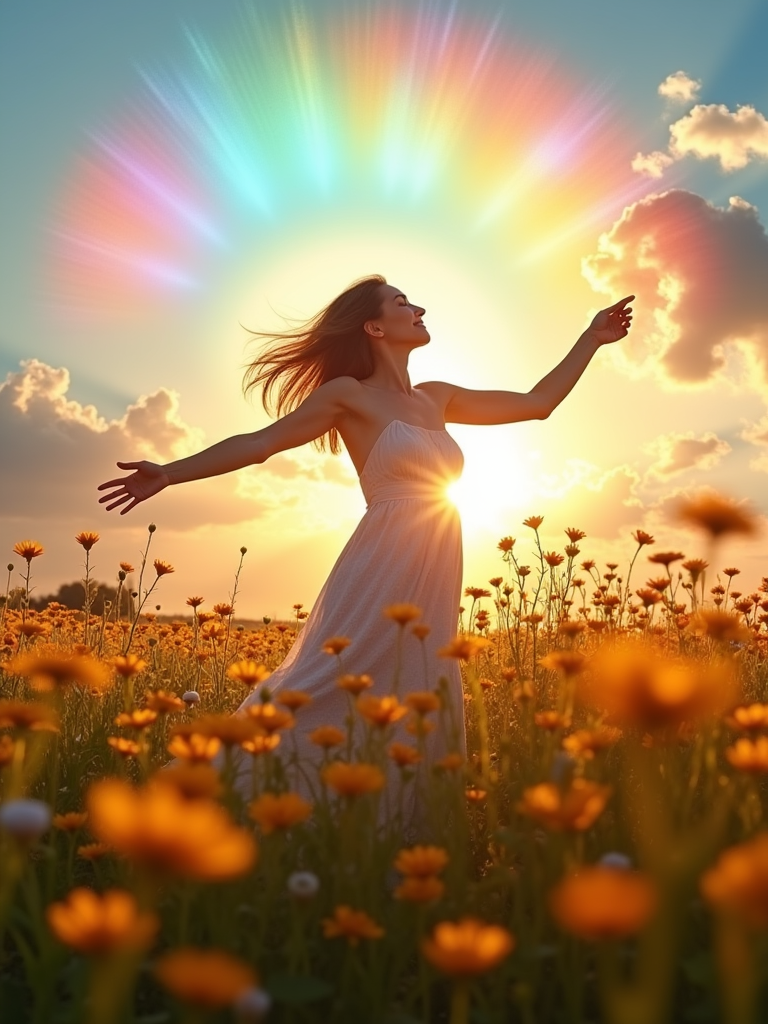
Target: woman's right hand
column 148, row 478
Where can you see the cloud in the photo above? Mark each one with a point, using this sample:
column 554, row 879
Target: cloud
column 711, row 132
column 676, row 453
column 679, row 88
column 699, row 275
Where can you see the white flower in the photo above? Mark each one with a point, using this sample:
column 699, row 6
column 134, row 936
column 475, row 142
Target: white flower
column 190, row 697
column 303, row 885
column 252, row 1006
column 619, row 861
column 25, row 819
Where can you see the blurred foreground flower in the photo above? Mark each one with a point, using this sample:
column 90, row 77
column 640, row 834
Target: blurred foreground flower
column 351, row 925
column 402, row 614
column 55, row 671
column 574, row 808
column 603, row 903
column 717, row 515
column 100, row 924
column 421, row 861
column 24, row 819
column 157, row 828
column 19, row 714
column 738, row 883
column 464, row 647
column 274, row 811
column 467, row 947
column 208, row 978
column 354, row 779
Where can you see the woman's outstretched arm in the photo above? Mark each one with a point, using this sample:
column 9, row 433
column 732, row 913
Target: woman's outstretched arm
column 314, row 417
column 486, row 407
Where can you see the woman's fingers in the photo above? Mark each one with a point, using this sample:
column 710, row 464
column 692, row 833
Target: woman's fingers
column 111, row 483
column 118, row 501
column 128, row 465
column 616, row 305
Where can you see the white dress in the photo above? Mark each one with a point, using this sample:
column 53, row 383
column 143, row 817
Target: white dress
column 406, row 549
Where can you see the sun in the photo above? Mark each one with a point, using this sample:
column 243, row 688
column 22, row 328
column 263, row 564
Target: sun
column 495, row 486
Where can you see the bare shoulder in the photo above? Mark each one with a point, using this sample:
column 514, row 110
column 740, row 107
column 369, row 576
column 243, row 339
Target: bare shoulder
column 343, row 393
column 439, row 391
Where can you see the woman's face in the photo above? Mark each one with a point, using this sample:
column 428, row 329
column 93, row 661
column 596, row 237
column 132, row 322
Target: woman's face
column 400, row 321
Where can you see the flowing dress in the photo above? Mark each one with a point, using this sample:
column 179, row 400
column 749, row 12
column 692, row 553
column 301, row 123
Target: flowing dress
column 406, row 549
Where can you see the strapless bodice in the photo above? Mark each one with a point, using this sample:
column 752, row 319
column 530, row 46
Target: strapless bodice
column 410, row 462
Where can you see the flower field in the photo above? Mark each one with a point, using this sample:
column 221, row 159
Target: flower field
column 600, row 854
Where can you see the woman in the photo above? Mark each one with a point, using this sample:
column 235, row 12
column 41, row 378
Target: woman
column 344, row 374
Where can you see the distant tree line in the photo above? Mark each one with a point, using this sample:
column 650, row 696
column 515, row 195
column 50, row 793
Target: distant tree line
column 72, row 595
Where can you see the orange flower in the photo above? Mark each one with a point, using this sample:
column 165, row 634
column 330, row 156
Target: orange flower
column 641, row 538
column 158, row 828
column 738, row 883
column 294, row 700
column 666, row 558
column 749, row 755
column 418, row 725
column 270, row 718
column 717, row 515
column 204, row 977
column 381, row 711
column 464, row 647
column 421, row 630
column 336, row 644
column 124, row 747
column 139, row 718
column 354, row 684
column 18, row 714
column 574, row 809
column 723, row 627
column 194, row 781
column 7, row 750
column 194, row 748
column 127, row 567
column 587, row 742
column 327, row 736
column 261, row 744
column 450, row 763
column 70, row 822
column 421, row 861
column 93, row 851
column 551, row 720
column 128, row 665
column 101, row 924
column 422, row 702
column 351, row 925
column 402, row 614
column 569, row 663
column 420, row 890
column 194, row 602
column 162, row 568
column 55, row 671
column 354, row 779
column 553, row 559
column 228, row 729
column 28, row 549
column 603, row 903
column 279, row 811
column 475, row 796
column 250, row 673
column 467, row 947
column 87, row 539
column 164, row 703
column 533, row 521
column 746, row 719
column 403, row 755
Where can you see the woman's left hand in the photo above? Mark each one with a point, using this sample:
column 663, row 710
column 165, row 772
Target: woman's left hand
column 613, row 323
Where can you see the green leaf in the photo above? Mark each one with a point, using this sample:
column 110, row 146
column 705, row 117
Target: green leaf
column 298, row 988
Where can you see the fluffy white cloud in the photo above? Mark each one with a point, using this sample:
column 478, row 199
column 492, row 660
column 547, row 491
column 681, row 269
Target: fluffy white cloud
column 680, row 87
column 699, row 273
column 675, row 453
column 711, row 132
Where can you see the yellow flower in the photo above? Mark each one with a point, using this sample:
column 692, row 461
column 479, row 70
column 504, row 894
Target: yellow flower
column 573, row 809
column 587, row 742
column 738, row 883
column 261, row 743
column 228, row 729
column 355, row 779
column 28, row 549
column 603, row 903
column 467, row 947
column 164, row 703
column 128, row 665
column 92, row 851
column 7, row 750
column 551, row 720
column 194, row 748
column 351, row 925
column 158, row 828
column 354, row 684
column 194, row 780
column 279, row 811
column 294, row 700
column 327, row 736
column 403, row 755
column 124, row 747
column 420, row 890
column 204, row 977
column 748, row 718
column 421, row 630
column 101, row 924
column 422, row 702
column 749, row 755
column 464, row 647
column 250, row 673
column 70, row 822
column 18, row 714
column 475, row 796
column 270, row 718
column 55, row 671
column 722, row 627
column 567, row 662
column 402, row 614
column 139, row 718
column 380, row 711
column 336, row 644
column 421, row 861
column 87, row 539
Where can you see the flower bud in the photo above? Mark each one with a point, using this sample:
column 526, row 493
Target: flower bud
column 243, row 550
column 151, row 527
column 9, row 567
column 25, row 819
column 303, row 885
column 266, row 620
column 190, row 697
column 252, row 1006
column 121, row 575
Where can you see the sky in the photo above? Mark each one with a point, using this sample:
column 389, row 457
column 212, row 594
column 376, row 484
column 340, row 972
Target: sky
column 172, row 174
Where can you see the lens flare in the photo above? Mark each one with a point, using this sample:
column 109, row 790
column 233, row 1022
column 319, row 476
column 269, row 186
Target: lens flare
column 400, row 112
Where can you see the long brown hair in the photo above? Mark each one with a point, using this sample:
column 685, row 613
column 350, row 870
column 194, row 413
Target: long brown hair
column 330, row 344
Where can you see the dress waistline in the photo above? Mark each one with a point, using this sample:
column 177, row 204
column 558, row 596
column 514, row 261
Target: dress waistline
column 407, row 492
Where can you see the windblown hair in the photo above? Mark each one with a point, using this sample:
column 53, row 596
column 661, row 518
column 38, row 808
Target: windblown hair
column 330, row 344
